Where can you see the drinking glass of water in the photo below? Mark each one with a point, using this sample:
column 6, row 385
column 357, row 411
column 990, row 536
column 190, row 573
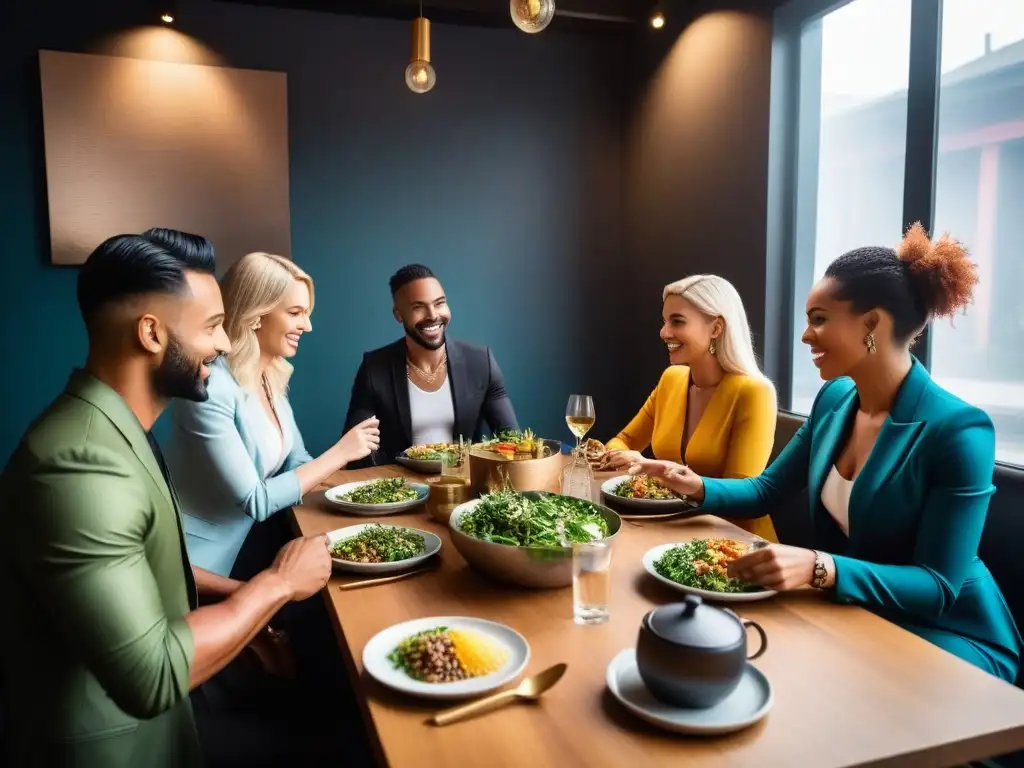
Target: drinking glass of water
column 591, row 581
column 455, row 461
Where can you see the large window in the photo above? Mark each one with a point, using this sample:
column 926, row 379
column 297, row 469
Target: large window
column 878, row 141
column 851, row 147
column 979, row 198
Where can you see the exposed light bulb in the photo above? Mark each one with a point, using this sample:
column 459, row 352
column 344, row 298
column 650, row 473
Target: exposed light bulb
column 420, row 76
column 531, row 15
column 167, row 18
column 658, row 20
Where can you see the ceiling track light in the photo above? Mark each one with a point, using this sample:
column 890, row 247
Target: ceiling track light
column 170, row 11
column 658, row 16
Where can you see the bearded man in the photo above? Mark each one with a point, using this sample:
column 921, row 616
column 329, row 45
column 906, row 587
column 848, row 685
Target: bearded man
column 106, row 635
column 426, row 387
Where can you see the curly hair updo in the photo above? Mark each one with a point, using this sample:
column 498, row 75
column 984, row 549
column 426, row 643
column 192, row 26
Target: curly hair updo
column 914, row 283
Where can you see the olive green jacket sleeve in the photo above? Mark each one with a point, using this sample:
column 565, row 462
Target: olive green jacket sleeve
column 86, row 519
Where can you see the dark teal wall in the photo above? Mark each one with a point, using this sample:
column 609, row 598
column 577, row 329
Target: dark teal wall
column 505, row 180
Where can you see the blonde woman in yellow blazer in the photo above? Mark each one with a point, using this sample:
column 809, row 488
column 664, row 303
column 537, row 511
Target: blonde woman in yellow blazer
column 713, row 409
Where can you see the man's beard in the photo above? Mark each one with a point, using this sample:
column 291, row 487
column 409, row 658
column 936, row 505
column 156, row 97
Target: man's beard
column 414, row 333
column 178, row 375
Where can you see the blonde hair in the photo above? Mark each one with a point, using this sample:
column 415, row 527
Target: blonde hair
column 252, row 287
column 715, row 296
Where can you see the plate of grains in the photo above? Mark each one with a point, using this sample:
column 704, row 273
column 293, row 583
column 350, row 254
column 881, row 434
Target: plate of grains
column 446, row 657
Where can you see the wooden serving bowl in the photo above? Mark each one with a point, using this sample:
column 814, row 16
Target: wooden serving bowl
column 489, row 471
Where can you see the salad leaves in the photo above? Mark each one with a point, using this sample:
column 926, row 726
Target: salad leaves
column 538, row 520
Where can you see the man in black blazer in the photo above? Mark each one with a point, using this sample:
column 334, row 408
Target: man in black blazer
column 426, row 387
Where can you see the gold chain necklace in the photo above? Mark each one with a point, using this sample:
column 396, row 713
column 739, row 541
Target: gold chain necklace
column 427, row 376
column 269, row 393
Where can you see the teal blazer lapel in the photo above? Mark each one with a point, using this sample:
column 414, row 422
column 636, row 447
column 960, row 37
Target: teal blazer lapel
column 895, row 441
column 827, row 441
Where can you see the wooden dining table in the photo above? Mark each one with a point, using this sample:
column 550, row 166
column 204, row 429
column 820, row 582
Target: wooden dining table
column 848, row 687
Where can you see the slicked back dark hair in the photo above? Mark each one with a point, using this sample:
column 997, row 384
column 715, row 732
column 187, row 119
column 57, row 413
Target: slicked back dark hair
column 124, row 266
column 406, row 275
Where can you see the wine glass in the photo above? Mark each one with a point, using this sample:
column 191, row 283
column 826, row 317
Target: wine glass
column 579, row 415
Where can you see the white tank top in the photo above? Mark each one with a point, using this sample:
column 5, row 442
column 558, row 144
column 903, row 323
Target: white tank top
column 835, row 495
column 273, row 444
column 431, row 414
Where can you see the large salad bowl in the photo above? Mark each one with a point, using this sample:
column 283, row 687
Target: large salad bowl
column 525, row 566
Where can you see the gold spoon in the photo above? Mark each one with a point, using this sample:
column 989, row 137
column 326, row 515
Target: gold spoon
column 531, row 688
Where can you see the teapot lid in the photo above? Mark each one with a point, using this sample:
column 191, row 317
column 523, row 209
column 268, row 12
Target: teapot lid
column 695, row 625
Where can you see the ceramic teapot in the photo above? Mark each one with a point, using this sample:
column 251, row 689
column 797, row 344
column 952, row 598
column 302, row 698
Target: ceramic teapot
column 692, row 654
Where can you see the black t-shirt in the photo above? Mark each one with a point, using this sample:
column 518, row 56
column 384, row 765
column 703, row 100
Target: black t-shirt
column 160, row 461
column 189, row 576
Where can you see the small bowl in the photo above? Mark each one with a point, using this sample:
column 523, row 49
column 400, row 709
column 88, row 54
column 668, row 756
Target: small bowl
column 446, row 493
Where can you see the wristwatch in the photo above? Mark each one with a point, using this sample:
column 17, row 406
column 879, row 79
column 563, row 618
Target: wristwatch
column 820, row 577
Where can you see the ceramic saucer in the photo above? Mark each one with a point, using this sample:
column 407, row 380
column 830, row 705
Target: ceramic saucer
column 742, row 708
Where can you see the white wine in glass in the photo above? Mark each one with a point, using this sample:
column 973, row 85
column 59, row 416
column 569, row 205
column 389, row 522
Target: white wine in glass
column 580, row 416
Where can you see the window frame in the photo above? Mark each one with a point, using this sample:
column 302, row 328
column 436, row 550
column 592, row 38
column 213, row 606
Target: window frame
column 793, row 150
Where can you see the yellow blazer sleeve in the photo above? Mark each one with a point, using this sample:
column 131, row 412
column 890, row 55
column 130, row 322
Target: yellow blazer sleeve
column 753, row 431
column 637, row 434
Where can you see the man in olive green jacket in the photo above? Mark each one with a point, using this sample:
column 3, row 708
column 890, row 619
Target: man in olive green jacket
column 104, row 638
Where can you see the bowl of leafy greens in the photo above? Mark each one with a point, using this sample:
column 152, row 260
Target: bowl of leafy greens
column 525, row 537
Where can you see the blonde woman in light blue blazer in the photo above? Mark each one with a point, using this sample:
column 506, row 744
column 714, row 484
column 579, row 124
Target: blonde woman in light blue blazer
column 238, row 458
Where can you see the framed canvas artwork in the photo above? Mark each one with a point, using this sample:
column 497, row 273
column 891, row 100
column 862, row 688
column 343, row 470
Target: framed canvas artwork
column 132, row 144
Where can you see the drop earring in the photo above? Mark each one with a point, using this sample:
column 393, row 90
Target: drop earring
column 712, row 348
column 258, row 324
column 869, row 342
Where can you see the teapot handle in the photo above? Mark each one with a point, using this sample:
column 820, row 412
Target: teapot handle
column 764, row 637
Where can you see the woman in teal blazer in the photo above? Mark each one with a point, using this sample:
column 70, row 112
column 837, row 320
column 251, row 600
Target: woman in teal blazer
column 899, row 470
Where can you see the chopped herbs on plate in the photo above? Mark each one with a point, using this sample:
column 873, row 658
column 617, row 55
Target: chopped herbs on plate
column 645, row 487
column 701, row 564
column 389, row 490
column 510, row 517
column 379, row 544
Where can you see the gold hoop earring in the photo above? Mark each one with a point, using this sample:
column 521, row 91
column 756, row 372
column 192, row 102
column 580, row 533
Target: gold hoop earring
column 869, row 342
column 712, row 348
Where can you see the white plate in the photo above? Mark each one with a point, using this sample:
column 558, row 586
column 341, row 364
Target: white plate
column 420, row 466
column 652, row 505
column 745, row 706
column 379, row 667
column 430, row 540
column 334, row 495
column 722, row 597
